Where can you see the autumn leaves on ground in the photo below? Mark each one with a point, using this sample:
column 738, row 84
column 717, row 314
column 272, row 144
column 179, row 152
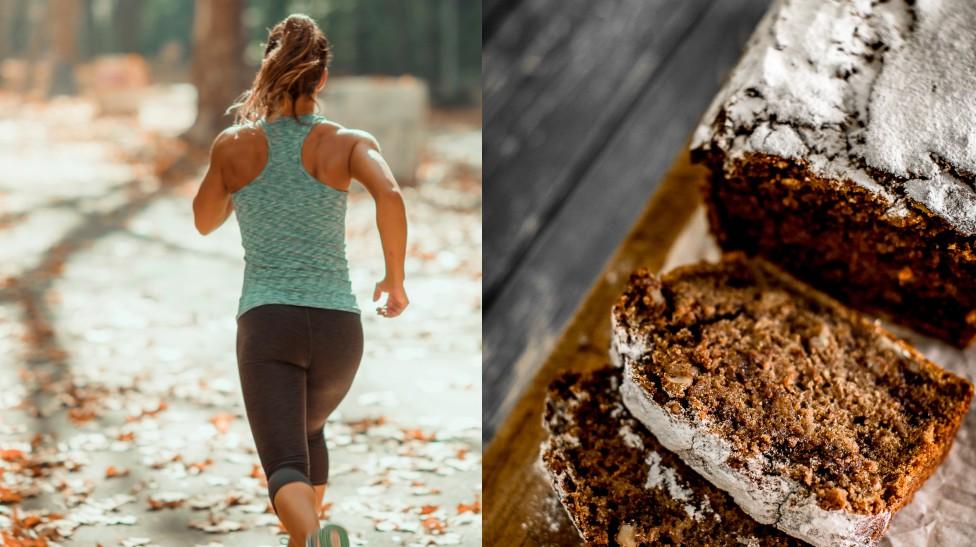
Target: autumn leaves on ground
column 121, row 419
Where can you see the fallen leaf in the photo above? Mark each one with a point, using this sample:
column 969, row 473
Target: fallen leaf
column 199, row 466
column 417, row 434
column 361, row 426
column 8, row 495
column 148, row 412
column 112, row 471
column 81, row 416
column 222, row 421
column 433, row 525
column 11, row 455
column 166, row 500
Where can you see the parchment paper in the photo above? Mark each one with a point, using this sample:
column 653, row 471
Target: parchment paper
column 943, row 512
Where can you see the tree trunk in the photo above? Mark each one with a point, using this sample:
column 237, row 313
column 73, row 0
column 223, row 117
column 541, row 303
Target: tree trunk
column 63, row 17
column 86, row 33
column 448, row 74
column 218, row 65
column 34, row 48
column 8, row 12
column 126, row 20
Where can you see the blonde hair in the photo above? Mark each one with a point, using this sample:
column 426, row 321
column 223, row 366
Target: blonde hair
column 295, row 57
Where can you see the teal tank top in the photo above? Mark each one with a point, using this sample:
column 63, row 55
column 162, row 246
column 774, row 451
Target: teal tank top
column 292, row 228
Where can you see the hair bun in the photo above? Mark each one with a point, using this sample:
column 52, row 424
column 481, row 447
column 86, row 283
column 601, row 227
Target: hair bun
column 299, row 24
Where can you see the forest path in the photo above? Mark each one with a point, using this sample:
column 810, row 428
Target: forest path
column 121, row 419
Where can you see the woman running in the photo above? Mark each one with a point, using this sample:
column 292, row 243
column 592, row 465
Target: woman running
column 286, row 172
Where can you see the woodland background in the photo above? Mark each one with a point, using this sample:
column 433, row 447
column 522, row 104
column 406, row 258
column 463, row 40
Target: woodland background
column 121, row 419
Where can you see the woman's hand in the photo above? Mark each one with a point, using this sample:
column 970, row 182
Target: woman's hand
column 396, row 300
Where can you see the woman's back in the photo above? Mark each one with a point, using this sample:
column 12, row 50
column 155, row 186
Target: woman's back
column 292, row 228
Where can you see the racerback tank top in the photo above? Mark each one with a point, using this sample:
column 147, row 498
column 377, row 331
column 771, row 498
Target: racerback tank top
column 292, row 228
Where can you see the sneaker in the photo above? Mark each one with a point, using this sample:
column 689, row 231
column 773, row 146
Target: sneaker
column 314, row 539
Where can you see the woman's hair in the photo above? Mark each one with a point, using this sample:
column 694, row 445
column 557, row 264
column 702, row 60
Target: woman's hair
column 295, row 57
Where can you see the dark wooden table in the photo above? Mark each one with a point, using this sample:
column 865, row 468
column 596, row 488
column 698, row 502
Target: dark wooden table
column 587, row 103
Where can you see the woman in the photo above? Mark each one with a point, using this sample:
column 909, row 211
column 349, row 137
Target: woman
column 286, row 172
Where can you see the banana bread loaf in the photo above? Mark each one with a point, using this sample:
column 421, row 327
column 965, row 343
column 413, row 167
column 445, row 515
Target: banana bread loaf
column 843, row 148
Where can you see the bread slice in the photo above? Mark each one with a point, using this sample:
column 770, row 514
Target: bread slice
column 621, row 487
column 815, row 419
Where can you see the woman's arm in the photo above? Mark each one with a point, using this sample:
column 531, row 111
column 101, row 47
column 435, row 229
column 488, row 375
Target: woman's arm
column 368, row 167
column 212, row 204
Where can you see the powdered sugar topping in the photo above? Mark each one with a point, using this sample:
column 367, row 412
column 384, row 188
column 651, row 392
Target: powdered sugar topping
column 854, row 88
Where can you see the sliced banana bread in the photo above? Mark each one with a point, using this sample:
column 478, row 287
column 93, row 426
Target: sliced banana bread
column 621, row 487
column 815, row 419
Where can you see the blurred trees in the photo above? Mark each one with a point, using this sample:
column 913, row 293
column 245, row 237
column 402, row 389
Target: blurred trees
column 63, row 17
column 437, row 40
column 8, row 18
column 218, row 65
column 126, row 24
column 218, row 44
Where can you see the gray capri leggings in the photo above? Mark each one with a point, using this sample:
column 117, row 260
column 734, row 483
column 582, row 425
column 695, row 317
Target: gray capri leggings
column 296, row 364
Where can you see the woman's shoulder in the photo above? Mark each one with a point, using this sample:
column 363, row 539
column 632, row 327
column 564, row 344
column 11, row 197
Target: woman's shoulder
column 242, row 132
column 240, row 149
column 240, row 138
column 347, row 136
column 356, row 136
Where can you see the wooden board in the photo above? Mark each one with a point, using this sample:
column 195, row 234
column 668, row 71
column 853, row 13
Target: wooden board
column 553, row 271
column 493, row 13
column 520, row 506
column 560, row 77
